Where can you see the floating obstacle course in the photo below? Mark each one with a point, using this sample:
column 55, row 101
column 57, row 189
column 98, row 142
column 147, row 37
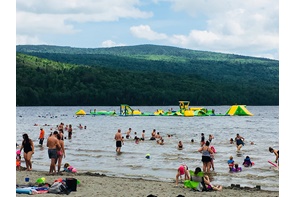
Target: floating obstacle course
column 184, row 110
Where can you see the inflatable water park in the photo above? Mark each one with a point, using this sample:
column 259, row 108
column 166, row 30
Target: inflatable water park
column 184, row 110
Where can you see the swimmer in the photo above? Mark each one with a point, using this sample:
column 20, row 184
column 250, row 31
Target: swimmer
column 180, row 145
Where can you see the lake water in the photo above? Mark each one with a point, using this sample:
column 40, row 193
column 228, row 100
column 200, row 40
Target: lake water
column 93, row 149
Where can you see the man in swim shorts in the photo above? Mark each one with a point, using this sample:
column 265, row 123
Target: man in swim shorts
column 53, row 144
column 119, row 139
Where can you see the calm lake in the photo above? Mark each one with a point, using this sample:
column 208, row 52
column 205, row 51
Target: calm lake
column 93, row 149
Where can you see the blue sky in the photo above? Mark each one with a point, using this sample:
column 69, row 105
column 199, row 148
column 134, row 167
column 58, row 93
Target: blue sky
column 229, row 26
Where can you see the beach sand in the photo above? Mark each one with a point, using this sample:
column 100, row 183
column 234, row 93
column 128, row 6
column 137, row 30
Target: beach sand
column 95, row 184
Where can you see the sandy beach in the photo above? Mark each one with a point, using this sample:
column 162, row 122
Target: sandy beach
column 95, row 184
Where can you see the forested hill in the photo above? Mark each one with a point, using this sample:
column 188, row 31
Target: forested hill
column 142, row 75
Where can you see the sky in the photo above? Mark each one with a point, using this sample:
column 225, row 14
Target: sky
column 241, row 27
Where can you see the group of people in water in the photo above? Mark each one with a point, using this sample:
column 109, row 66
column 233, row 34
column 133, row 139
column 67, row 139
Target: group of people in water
column 208, row 151
column 55, row 144
column 119, row 138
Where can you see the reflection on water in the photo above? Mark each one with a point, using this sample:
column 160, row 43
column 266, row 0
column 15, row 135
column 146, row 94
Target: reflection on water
column 93, row 149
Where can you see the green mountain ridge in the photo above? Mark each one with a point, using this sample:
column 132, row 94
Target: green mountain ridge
column 131, row 75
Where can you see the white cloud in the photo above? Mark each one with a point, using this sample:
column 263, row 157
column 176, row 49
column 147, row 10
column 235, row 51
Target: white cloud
column 144, row 31
column 31, row 23
column 110, row 43
column 24, row 39
column 236, row 26
column 57, row 17
column 230, row 26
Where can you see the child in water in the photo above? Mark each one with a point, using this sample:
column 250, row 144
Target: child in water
column 231, row 162
column 247, row 162
column 236, row 168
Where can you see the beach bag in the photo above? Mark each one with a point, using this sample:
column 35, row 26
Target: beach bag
column 71, row 184
column 58, row 188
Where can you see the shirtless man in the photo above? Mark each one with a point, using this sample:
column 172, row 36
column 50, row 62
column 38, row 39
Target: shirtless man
column 142, row 135
column 119, row 139
column 53, row 144
column 128, row 133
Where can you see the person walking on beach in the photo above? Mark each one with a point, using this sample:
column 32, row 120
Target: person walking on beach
column 206, row 156
column 61, row 153
column 28, row 146
column 239, row 142
column 53, row 144
column 119, row 139
column 41, row 136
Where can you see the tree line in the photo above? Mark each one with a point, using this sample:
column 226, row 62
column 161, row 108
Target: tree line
column 63, row 79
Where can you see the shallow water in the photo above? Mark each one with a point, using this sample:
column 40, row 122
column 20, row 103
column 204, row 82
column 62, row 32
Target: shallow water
column 93, row 149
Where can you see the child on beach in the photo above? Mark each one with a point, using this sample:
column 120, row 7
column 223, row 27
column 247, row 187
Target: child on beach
column 182, row 170
column 247, row 162
column 18, row 160
column 69, row 168
column 231, row 162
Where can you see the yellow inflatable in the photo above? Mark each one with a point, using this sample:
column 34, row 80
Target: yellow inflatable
column 81, row 112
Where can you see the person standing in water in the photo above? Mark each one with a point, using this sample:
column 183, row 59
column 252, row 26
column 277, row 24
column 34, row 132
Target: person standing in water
column 70, row 131
column 206, row 156
column 61, row 153
column 239, row 142
column 119, row 139
column 41, row 136
column 53, row 144
column 276, row 153
column 202, row 139
column 28, row 146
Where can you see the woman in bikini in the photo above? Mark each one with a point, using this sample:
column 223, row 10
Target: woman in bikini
column 60, row 152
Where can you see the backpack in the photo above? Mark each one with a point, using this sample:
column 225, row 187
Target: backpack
column 58, row 188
